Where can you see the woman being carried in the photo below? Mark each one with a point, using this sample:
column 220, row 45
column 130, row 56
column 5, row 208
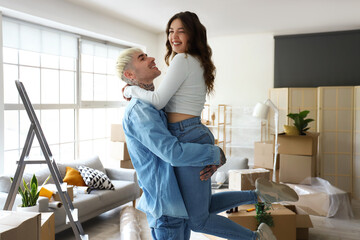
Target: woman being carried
column 189, row 78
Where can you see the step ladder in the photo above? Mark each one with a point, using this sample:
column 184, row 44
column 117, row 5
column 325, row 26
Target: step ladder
column 35, row 129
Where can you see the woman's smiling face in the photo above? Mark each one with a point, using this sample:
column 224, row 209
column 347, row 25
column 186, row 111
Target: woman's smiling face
column 178, row 36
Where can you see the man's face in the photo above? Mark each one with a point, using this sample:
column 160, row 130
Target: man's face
column 144, row 68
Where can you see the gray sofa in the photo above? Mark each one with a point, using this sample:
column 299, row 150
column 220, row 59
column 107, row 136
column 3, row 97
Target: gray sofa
column 88, row 205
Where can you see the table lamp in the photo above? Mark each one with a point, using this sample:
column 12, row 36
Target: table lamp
column 261, row 111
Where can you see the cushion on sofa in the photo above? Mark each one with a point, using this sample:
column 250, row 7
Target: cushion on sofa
column 93, row 162
column 95, row 178
column 73, row 177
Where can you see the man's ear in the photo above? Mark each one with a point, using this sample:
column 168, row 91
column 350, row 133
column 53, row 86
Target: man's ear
column 129, row 74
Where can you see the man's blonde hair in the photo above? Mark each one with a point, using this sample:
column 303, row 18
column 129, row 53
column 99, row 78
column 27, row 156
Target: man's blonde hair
column 124, row 61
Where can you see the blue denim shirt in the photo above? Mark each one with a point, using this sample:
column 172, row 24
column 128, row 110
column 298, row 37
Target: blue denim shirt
column 153, row 151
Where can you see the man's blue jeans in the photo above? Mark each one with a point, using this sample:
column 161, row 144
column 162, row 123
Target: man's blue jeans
column 201, row 205
column 169, row 228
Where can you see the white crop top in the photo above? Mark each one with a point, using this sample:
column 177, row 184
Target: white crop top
column 183, row 90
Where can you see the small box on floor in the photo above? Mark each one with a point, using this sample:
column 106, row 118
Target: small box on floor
column 284, row 221
column 244, row 179
column 302, row 222
column 19, row 225
column 271, row 173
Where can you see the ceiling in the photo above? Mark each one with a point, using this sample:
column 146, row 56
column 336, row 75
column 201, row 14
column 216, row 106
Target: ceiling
column 228, row 17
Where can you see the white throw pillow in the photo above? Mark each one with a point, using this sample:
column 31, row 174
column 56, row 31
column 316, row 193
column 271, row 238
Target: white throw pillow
column 95, row 179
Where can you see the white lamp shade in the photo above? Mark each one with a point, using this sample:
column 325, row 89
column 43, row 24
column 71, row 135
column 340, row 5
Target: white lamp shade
column 261, row 110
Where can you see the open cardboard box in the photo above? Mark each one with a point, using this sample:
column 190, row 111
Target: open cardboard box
column 19, row 225
column 303, row 222
column 284, row 221
column 290, row 222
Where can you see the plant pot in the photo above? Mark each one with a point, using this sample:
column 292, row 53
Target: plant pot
column 28, row 209
column 291, row 130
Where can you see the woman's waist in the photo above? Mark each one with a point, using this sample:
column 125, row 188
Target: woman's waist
column 188, row 121
column 174, row 117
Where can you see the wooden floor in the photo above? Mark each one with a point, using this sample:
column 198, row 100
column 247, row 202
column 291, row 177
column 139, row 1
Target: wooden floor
column 107, row 227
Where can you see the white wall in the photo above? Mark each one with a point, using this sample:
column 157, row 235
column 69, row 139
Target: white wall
column 245, row 68
column 61, row 14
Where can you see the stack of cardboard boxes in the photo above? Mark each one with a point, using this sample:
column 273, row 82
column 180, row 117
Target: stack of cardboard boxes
column 118, row 146
column 296, row 160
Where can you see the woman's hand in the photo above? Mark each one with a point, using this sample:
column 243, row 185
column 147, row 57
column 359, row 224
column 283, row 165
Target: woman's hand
column 123, row 89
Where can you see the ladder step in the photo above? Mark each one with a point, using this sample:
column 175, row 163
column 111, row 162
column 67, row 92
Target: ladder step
column 74, row 214
column 33, row 162
column 84, row 237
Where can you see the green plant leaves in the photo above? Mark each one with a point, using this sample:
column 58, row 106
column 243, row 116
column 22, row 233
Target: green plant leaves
column 29, row 196
column 300, row 122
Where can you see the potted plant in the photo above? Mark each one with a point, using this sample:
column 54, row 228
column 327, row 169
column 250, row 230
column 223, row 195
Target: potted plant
column 300, row 122
column 30, row 194
column 262, row 214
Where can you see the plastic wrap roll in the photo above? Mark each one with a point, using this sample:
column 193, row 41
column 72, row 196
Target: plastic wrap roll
column 129, row 226
column 55, row 204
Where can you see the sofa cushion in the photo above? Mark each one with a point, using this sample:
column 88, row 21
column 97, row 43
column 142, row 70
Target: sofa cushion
column 73, row 177
column 123, row 190
column 93, row 162
column 95, row 178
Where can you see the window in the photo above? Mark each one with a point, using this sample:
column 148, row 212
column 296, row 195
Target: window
column 76, row 96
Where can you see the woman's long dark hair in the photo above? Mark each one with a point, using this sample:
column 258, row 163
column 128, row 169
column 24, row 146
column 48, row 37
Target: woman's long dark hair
column 197, row 45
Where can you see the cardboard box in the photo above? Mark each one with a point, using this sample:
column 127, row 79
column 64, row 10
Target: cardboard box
column 119, row 151
column 303, row 222
column 271, row 173
column 296, row 168
column 47, row 230
column 19, row 225
column 126, row 164
column 117, row 133
column 298, row 145
column 264, row 155
column 322, row 199
column 244, row 179
column 56, row 195
column 284, row 220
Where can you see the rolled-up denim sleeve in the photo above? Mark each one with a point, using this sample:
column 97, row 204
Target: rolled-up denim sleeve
column 147, row 126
